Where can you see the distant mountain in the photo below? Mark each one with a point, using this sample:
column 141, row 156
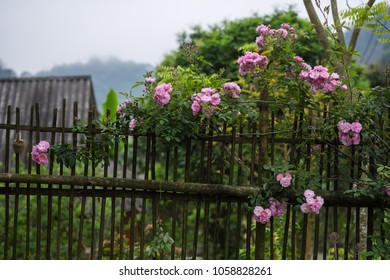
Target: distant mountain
column 106, row 74
column 371, row 51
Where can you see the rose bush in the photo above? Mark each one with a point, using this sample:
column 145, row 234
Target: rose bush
column 179, row 103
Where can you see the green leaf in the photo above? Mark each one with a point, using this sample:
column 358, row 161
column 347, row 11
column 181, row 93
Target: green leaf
column 111, row 104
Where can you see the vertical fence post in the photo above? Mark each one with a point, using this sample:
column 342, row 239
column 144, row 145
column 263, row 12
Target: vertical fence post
column 263, row 157
column 39, row 199
column 50, row 187
column 7, row 189
column 18, row 149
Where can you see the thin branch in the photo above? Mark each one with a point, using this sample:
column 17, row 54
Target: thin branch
column 337, row 23
column 356, row 31
column 340, row 36
column 322, row 36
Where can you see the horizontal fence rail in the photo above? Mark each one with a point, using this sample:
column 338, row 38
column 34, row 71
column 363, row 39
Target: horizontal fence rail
column 189, row 201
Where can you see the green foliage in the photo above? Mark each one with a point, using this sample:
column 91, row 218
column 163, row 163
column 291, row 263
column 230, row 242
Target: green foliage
column 376, row 74
column 381, row 240
column 380, row 249
column 220, row 44
column 333, row 256
column 111, row 104
column 65, row 154
column 175, row 121
column 160, row 245
column 374, row 19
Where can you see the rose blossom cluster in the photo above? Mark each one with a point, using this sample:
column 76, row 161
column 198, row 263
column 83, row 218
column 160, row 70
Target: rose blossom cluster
column 206, row 101
column 150, row 80
column 313, row 202
column 162, row 94
column 122, row 106
column 349, row 133
column 276, row 209
column 318, row 77
column 251, row 62
column 284, row 179
column 388, row 190
column 39, row 152
column 231, row 89
column 285, row 31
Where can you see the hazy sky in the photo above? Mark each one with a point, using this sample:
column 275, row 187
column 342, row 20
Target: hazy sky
column 37, row 34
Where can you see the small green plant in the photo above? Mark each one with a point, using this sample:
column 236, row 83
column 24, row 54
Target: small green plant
column 380, row 248
column 160, row 245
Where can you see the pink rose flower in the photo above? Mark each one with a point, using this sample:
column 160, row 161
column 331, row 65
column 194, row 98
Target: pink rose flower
column 261, row 43
column 215, row 99
column 205, row 101
column 231, row 89
column 150, row 80
column 195, row 108
column 263, row 29
column 305, row 208
column 161, row 94
column 310, row 200
column 35, row 156
column 162, row 98
column 319, row 200
column 257, row 211
column 349, row 134
column 313, row 203
column 356, row 127
column 208, row 91
column 43, row 146
column 132, row 123
column 282, row 32
column 298, row 59
column 251, row 62
column 346, row 140
column 39, row 151
column 309, row 194
column 285, row 182
column 355, row 139
column 262, row 215
column 315, row 207
column 284, row 179
column 42, row 159
column 285, row 26
column 277, row 207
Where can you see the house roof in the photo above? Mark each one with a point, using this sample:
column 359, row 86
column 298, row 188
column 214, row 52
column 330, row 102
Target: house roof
column 49, row 93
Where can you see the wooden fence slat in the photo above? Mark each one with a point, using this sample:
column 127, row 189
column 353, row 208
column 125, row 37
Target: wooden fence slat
column 196, row 230
column 39, row 199
column 50, row 197
column 17, row 170
column 7, row 198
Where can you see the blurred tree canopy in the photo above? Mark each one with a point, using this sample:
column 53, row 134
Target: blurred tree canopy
column 6, row 72
column 220, row 43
